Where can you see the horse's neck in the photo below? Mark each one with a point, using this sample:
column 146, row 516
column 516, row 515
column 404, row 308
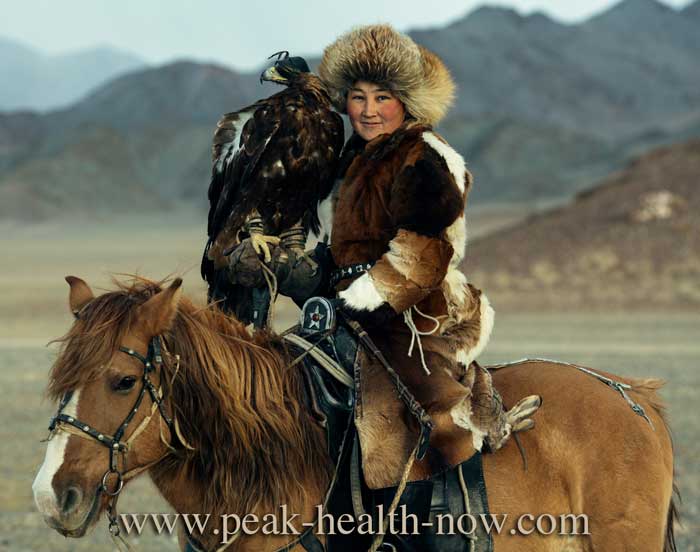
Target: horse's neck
column 187, row 486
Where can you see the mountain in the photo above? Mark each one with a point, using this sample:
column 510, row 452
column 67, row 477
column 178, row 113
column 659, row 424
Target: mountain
column 692, row 10
column 632, row 241
column 611, row 77
column 544, row 110
column 33, row 80
column 140, row 141
column 513, row 159
column 182, row 92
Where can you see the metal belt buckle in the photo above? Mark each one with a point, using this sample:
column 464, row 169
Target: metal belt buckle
column 317, row 315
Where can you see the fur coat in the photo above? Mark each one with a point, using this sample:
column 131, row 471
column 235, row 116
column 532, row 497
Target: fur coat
column 400, row 205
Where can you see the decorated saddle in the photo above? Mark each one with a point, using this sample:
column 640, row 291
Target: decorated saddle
column 328, row 348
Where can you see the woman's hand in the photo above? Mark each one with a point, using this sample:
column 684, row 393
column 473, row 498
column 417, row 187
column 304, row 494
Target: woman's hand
column 299, row 274
column 245, row 266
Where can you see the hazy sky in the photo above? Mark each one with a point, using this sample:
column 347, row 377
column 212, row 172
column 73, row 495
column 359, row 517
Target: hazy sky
column 237, row 33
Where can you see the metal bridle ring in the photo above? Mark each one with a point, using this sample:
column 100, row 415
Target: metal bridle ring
column 119, row 483
column 114, row 529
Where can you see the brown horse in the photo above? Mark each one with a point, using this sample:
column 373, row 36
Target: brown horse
column 222, row 430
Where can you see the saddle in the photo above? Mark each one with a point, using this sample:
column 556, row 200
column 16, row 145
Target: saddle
column 328, row 351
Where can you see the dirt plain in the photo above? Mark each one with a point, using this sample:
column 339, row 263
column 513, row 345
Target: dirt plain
column 33, row 310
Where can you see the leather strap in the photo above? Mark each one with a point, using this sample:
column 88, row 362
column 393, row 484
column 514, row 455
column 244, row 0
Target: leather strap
column 356, row 479
column 349, row 271
column 414, row 407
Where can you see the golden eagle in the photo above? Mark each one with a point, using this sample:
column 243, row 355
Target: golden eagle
column 273, row 162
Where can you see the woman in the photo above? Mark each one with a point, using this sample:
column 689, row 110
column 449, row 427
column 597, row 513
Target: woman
column 397, row 235
column 399, row 210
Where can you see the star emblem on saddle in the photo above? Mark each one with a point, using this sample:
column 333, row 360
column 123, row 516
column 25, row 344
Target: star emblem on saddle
column 317, row 315
column 315, row 318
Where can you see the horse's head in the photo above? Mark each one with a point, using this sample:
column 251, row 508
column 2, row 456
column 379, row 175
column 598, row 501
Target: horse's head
column 110, row 424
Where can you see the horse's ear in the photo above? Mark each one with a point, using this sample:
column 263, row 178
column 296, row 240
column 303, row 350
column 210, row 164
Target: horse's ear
column 156, row 315
column 80, row 294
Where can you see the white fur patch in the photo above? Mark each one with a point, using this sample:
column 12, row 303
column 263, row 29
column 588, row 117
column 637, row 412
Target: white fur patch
column 456, row 234
column 228, row 150
column 455, row 162
column 362, row 294
column 487, row 316
column 462, row 416
column 455, row 281
column 44, row 494
column 325, row 214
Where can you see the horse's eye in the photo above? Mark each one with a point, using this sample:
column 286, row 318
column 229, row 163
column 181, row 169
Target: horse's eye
column 125, row 384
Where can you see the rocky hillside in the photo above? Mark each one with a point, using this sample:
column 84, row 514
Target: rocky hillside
column 609, row 77
column 547, row 109
column 632, row 241
column 141, row 142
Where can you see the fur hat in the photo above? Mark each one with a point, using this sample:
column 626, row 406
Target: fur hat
column 379, row 54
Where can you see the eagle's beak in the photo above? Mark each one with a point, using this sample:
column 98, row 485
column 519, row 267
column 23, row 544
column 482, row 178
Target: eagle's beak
column 272, row 75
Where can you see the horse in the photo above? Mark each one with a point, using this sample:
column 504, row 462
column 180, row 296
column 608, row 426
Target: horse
column 150, row 382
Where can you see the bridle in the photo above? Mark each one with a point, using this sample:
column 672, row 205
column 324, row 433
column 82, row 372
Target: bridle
column 117, row 447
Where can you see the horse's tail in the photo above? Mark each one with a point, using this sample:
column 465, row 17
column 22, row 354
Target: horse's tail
column 671, row 518
column 650, row 388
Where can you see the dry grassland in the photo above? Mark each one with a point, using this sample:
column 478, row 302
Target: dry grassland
column 33, row 309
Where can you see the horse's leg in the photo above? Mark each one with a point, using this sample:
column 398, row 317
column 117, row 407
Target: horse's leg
column 642, row 525
column 627, row 537
column 533, row 499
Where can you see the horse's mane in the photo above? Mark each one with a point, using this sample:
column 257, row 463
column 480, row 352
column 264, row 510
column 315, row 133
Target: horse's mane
column 96, row 334
column 236, row 400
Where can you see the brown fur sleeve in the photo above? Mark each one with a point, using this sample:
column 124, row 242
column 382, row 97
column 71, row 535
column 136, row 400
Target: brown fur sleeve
column 413, row 267
column 425, row 200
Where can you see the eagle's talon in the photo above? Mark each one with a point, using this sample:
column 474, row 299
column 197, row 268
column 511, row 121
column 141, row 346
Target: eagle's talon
column 260, row 245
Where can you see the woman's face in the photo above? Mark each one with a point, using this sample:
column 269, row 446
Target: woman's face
column 373, row 110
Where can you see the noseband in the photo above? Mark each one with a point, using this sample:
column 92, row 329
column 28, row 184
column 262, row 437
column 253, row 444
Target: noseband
column 114, row 443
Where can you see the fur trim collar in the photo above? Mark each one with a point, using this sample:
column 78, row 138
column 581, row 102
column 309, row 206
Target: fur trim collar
column 379, row 54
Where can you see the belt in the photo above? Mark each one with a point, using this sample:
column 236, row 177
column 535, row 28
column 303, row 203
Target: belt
column 349, row 271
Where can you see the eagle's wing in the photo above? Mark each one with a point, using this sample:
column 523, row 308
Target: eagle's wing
column 239, row 142
column 299, row 170
column 321, row 142
column 333, row 126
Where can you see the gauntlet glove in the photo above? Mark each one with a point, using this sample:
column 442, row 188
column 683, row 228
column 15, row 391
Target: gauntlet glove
column 299, row 274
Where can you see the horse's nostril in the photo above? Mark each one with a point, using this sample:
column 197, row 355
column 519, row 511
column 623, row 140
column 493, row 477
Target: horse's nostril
column 71, row 499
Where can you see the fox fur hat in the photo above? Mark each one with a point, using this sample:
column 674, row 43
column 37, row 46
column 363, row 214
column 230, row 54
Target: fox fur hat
column 381, row 55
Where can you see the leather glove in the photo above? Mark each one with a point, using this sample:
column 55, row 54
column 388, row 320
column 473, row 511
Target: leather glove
column 302, row 275
column 299, row 275
column 244, row 266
